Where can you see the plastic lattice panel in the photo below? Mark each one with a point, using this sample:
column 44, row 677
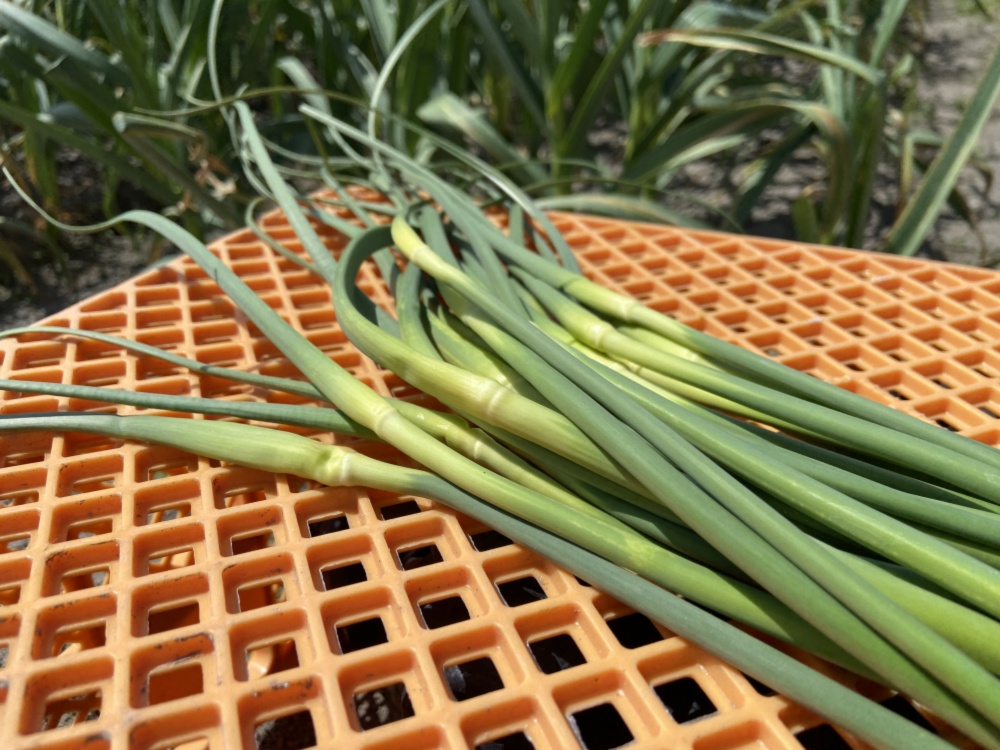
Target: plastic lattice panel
column 152, row 599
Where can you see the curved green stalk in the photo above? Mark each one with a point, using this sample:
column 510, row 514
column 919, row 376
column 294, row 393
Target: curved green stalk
column 970, row 523
column 733, row 357
column 483, row 398
column 974, row 633
column 315, row 417
column 875, row 473
column 844, row 429
column 285, row 385
column 724, row 531
column 971, row 636
column 883, row 533
column 286, row 453
column 457, row 344
column 937, row 561
column 380, row 416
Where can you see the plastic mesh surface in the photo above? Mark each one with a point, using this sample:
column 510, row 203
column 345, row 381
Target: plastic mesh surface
column 152, row 599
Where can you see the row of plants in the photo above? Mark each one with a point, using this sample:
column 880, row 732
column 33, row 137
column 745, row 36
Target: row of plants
column 750, row 84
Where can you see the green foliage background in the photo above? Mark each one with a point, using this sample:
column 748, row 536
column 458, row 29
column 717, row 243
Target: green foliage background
column 526, row 83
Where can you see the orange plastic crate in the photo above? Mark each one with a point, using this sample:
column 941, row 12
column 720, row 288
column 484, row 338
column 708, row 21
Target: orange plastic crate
column 153, row 599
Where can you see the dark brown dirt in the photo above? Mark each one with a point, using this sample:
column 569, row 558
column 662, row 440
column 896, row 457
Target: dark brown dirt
column 84, row 263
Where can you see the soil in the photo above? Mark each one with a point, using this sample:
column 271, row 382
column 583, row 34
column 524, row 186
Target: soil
column 954, row 42
column 79, row 265
column 958, row 44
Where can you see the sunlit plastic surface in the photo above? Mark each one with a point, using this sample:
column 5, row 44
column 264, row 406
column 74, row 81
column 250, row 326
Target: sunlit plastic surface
column 152, row 599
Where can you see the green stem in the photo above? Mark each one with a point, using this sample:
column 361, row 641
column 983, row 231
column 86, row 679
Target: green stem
column 572, row 389
column 263, row 449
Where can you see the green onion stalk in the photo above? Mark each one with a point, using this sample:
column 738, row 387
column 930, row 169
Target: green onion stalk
column 610, row 438
column 335, row 466
column 770, row 548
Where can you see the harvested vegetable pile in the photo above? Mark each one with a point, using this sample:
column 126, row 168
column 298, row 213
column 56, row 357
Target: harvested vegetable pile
column 611, row 438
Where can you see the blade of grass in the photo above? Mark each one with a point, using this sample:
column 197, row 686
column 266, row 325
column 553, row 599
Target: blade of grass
column 570, row 143
column 762, row 43
column 36, row 30
column 937, row 183
column 509, row 62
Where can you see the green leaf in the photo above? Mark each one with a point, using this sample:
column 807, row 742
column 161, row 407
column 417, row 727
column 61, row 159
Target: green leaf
column 509, row 60
column 36, row 31
column 888, row 22
column 923, row 208
column 760, row 43
column 625, row 207
column 448, row 111
column 72, row 82
column 299, row 75
column 525, row 29
column 392, row 61
column 568, row 72
column 701, row 136
column 137, row 176
column 134, row 129
column 805, row 218
column 129, row 43
column 759, row 174
column 570, row 142
column 382, row 22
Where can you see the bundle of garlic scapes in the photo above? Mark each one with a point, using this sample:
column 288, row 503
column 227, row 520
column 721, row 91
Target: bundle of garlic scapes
column 612, row 438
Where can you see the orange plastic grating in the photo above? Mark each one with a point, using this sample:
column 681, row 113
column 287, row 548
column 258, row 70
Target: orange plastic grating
column 153, row 599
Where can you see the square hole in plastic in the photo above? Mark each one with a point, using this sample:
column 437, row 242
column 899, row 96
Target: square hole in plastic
column 488, row 540
column 76, row 709
column 343, row 575
column 398, row 510
column 14, row 543
column 80, row 568
column 168, row 549
column 271, row 658
column 419, row 557
column 172, row 617
column 256, row 595
column 169, row 603
column 381, row 706
column 294, row 731
column 556, row 653
column 9, row 594
column 513, row 741
column 600, row 727
column 759, row 687
column 167, row 501
column 268, row 645
column 823, row 737
column 75, row 638
column 441, row 612
column 520, row 591
column 472, row 678
column 330, row 525
column 238, row 487
column 173, row 682
column 634, row 630
column 98, row 473
column 360, row 635
column 684, row 700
